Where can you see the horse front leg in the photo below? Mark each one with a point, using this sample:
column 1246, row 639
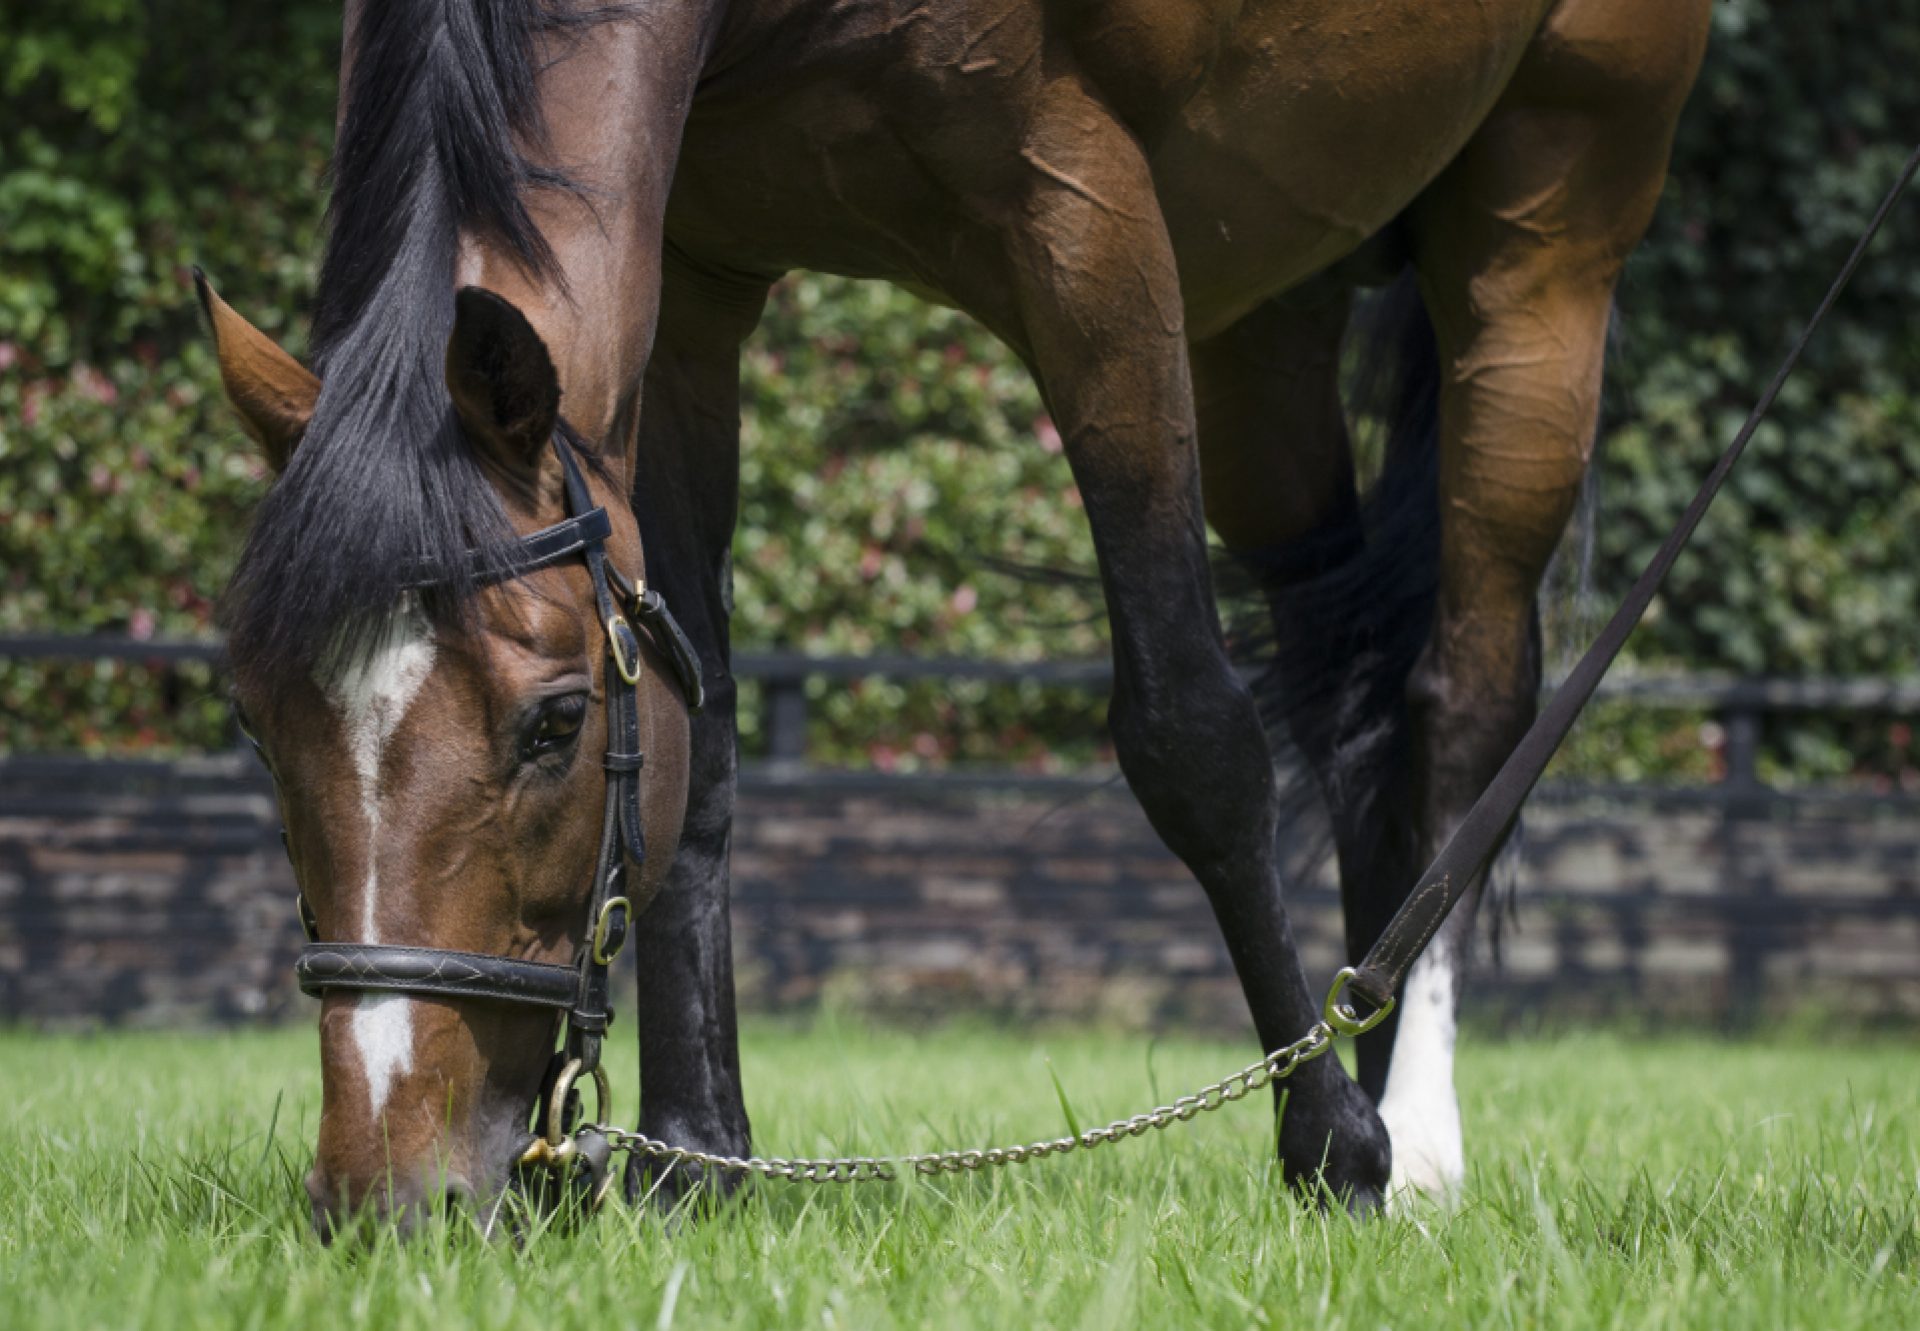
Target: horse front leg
column 1346, row 595
column 686, row 493
column 1100, row 318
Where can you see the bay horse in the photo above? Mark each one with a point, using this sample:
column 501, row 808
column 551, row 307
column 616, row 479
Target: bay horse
column 1163, row 207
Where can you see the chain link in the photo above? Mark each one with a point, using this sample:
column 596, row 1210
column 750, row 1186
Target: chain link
column 1276, row 1066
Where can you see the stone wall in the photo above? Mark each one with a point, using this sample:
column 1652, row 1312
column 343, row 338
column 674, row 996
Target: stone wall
column 158, row 894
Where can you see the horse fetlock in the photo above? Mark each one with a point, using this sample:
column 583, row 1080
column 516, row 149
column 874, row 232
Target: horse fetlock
column 1334, row 1148
column 682, row 1189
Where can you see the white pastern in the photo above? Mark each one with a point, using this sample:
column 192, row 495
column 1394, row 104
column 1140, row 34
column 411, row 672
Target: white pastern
column 1420, row 1109
column 372, row 695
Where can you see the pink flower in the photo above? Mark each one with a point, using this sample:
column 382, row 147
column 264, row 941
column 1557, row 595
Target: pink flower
column 1049, row 434
column 96, row 385
column 965, row 598
column 141, row 623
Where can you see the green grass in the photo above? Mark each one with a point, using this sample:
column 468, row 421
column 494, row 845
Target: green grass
column 153, row 1181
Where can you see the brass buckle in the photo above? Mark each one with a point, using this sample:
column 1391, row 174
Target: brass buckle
column 625, row 646
column 604, row 925
column 1341, row 1016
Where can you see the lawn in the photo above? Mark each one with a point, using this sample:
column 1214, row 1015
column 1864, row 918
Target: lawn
column 152, row 1180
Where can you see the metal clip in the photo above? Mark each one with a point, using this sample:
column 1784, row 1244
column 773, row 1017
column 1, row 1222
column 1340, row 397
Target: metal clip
column 1341, row 1016
column 542, row 1154
column 580, row 1168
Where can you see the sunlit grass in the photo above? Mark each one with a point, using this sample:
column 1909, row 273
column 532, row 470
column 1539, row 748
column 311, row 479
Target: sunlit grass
column 153, row 1181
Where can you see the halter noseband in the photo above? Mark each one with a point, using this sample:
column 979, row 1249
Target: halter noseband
column 582, row 990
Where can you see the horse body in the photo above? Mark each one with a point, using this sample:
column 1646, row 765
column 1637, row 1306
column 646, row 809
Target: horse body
column 1280, row 137
column 1162, row 207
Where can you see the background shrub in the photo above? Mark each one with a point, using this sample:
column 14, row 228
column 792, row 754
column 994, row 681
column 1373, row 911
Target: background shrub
column 893, row 449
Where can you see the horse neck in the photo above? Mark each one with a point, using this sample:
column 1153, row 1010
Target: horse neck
column 614, row 105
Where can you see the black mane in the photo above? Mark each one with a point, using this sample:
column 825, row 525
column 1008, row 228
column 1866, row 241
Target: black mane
column 440, row 107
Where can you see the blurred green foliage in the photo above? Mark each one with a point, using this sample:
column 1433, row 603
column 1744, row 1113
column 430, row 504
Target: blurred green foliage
column 138, row 137
column 1810, row 561
column 893, row 450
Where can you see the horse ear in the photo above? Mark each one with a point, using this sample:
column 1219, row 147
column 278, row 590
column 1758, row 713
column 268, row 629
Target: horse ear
column 272, row 392
column 504, row 387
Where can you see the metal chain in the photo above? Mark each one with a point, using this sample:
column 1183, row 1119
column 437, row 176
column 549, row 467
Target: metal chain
column 1276, row 1066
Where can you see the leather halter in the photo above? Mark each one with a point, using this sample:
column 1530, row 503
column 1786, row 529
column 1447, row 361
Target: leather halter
column 581, row 990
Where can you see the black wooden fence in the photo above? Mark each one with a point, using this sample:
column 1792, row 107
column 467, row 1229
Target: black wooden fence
column 1740, row 705
column 1035, row 896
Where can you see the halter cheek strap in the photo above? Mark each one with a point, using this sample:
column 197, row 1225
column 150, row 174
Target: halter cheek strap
column 622, row 839
column 582, row 990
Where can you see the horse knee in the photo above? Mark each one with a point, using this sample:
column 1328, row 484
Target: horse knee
column 713, row 765
column 1197, row 759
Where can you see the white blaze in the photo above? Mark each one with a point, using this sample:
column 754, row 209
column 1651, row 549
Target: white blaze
column 1420, row 1110
column 383, row 1033
column 371, row 694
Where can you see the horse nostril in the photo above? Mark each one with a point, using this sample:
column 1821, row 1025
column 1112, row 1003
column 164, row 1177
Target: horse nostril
column 321, row 1200
column 459, row 1195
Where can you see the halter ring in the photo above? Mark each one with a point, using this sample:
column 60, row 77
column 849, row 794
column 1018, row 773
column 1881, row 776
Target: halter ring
column 557, row 1103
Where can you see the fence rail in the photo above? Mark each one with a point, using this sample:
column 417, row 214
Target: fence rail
column 1040, row 895
column 1739, row 704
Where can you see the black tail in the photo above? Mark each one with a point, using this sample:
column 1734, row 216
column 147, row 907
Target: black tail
column 1334, row 623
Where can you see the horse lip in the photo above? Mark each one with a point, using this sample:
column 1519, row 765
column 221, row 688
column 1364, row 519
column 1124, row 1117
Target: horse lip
column 513, row 1199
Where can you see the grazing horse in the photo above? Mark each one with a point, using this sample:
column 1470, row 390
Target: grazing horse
column 1163, row 207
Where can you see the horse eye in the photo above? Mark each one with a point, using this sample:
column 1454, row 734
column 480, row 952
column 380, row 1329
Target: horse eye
column 556, row 725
